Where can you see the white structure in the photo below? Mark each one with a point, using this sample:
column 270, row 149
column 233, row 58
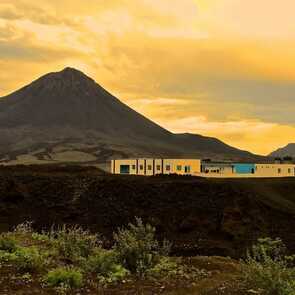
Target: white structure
column 196, row 167
column 151, row 167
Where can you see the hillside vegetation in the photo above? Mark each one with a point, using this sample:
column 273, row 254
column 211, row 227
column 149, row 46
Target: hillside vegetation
column 69, row 260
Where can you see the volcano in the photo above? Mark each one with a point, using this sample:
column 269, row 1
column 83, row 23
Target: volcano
column 67, row 117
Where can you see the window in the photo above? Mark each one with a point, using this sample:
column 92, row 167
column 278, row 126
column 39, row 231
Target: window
column 187, row 169
column 149, row 167
column 289, row 170
column 158, row 167
column 124, row 169
column 141, row 167
column 179, row 168
column 167, row 167
column 133, row 167
column 279, row 170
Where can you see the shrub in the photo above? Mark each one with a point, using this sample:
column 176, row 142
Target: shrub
column 137, row 248
column 64, row 277
column 103, row 261
column 268, row 248
column 266, row 269
column 73, row 243
column 25, row 259
column 8, row 243
column 29, row 259
column 105, row 264
column 40, row 237
column 118, row 273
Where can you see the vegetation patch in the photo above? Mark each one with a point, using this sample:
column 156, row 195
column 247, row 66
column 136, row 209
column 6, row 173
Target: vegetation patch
column 268, row 270
column 137, row 248
column 64, row 277
column 8, row 243
column 73, row 243
column 70, row 260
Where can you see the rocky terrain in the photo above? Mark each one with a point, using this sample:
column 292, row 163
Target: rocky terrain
column 216, row 216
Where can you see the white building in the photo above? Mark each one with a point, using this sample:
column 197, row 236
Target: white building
column 197, row 167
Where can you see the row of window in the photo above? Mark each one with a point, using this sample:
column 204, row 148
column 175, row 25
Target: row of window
column 167, row 168
column 279, row 169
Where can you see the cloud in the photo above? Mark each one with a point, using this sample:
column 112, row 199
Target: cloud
column 234, row 84
column 226, row 62
column 161, row 101
column 250, row 19
column 9, row 12
column 257, row 136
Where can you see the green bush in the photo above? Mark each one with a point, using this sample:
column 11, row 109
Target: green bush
column 64, row 277
column 105, row 264
column 25, row 259
column 266, row 269
column 103, row 261
column 268, row 248
column 117, row 274
column 8, row 243
column 137, row 248
column 40, row 237
column 164, row 268
column 73, row 243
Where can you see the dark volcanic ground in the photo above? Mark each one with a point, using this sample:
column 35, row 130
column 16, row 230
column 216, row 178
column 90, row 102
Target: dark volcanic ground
column 217, row 216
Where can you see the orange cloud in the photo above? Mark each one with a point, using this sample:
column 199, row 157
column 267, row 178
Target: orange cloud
column 222, row 68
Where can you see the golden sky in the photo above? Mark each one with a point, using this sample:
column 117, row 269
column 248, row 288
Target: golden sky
column 223, row 68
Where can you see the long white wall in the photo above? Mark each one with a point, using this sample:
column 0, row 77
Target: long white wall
column 151, row 167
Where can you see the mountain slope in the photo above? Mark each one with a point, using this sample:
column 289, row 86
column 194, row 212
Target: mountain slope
column 70, row 98
column 67, row 117
column 288, row 150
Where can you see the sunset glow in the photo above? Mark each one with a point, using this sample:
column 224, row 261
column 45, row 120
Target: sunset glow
column 221, row 68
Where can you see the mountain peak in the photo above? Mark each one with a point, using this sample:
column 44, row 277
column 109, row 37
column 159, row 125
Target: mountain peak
column 69, row 70
column 68, row 78
column 72, row 99
column 70, row 73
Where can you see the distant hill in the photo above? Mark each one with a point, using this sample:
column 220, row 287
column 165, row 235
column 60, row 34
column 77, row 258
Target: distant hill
column 67, row 117
column 287, row 151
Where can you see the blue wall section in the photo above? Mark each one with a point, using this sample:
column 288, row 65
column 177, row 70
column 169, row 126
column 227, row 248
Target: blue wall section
column 244, row 168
